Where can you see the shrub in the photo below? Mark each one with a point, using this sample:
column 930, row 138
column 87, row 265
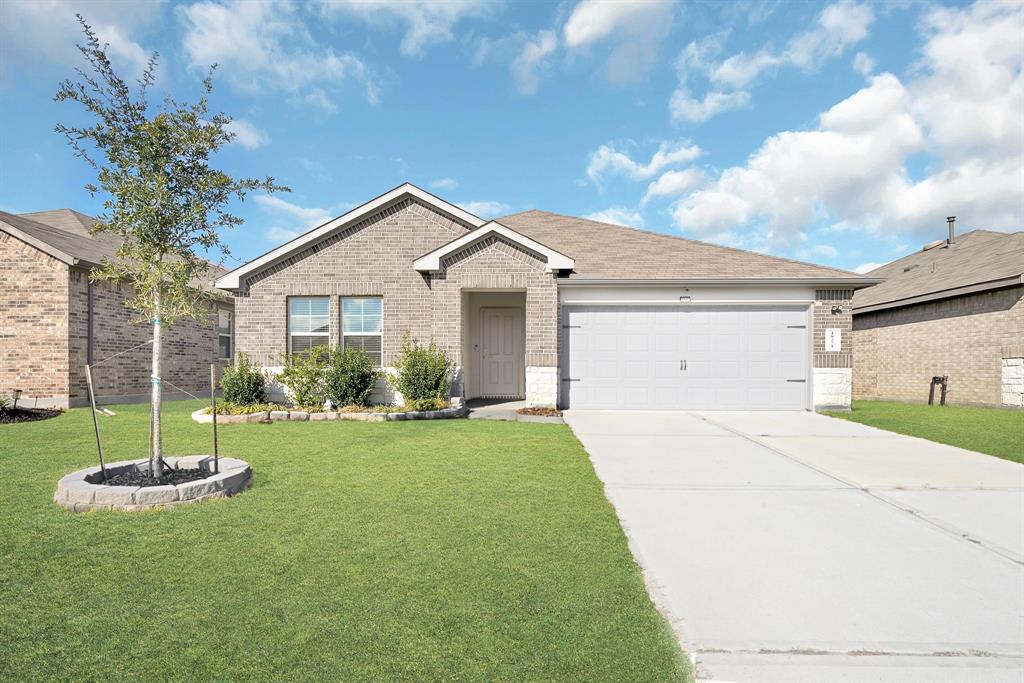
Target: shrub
column 424, row 375
column 4, row 404
column 244, row 383
column 304, row 376
column 350, row 378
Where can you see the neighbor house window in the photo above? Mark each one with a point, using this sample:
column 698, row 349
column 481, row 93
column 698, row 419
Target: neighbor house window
column 308, row 323
column 224, row 332
column 361, row 325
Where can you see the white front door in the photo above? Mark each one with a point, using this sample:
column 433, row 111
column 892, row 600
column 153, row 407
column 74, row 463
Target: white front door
column 502, row 371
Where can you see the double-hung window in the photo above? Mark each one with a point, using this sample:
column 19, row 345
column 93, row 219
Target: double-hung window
column 309, row 323
column 224, row 333
column 361, row 326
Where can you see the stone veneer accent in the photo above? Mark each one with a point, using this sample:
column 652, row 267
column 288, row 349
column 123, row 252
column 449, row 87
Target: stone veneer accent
column 967, row 338
column 44, row 334
column 541, row 386
column 832, row 373
column 1013, row 382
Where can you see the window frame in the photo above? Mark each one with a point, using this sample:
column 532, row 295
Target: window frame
column 288, row 322
column 230, row 333
column 378, row 334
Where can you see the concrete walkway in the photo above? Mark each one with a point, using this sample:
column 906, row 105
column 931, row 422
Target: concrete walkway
column 797, row 547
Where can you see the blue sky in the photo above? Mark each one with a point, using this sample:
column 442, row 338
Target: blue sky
column 841, row 133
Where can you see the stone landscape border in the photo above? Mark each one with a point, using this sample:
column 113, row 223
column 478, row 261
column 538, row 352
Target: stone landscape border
column 84, row 489
column 284, row 415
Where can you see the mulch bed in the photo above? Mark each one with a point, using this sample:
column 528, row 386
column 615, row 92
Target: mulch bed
column 28, row 414
column 542, row 412
column 170, row 477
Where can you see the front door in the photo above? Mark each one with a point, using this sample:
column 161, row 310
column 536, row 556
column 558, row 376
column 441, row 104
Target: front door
column 502, row 371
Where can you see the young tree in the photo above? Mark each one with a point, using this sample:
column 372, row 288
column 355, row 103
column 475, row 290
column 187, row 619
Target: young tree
column 163, row 199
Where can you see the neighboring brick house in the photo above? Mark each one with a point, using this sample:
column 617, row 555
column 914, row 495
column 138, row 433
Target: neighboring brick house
column 53, row 320
column 954, row 309
column 555, row 309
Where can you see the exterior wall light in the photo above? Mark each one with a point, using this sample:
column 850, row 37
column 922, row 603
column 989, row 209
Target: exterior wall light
column 837, row 310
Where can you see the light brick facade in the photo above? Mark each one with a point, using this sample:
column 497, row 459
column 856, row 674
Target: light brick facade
column 899, row 350
column 45, row 308
column 374, row 258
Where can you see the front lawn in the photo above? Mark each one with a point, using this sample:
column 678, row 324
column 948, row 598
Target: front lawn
column 994, row 431
column 433, row 550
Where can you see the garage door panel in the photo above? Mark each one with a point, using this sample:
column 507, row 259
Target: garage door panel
column 735, row 358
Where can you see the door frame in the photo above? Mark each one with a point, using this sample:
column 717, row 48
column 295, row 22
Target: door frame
column 520, row 357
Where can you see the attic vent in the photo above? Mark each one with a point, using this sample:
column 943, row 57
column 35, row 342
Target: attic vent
column 932, row 245
column 910, row 267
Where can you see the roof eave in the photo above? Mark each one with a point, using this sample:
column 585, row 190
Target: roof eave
column 942, row 294
column 554, row 260
column 849, row 282
column 40, row 245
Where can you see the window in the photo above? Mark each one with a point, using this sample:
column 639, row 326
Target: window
column 224, row 332
column 361, row 325
column 308, row 323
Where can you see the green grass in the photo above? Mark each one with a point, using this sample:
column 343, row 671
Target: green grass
column 440, row 550
column 994, row 431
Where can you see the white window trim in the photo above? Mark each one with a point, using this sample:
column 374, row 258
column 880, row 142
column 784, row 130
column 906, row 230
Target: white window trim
column 554, row 260
column 341, row 324
column 288, row 321
column 230, row 335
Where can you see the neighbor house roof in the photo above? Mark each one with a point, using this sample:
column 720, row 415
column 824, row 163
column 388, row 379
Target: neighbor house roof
column 977, row 261
column 64, row 235
column 603, row 251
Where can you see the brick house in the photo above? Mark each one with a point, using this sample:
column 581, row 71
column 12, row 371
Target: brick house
column 956, row 309
column 53, row 320
column 555, row 309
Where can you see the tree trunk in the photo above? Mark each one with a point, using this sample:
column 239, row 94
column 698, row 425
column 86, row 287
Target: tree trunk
column 156, row 463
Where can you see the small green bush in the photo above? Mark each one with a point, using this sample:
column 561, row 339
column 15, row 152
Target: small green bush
column 424, row 375
column 244, row 383
column 350, row 377
column 304, row 376
column 4, row 404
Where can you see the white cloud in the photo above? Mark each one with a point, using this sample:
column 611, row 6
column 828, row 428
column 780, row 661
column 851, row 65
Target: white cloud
column 279, row 234
column 826, row 250
column 485, row 209
column 864, row 64
column 309, row 217
column 607, row 161
column 426, row 22
column 248, row 135
column 673, row 184
column 867, row 267
column 962, row 107
column 47, row 30
column 839, row 26
column 444, row 184
column 266, row 47
column 531, row 61
column 618, row 215
column 635, row 29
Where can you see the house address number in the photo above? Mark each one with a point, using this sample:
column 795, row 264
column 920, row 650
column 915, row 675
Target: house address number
column 833, row 339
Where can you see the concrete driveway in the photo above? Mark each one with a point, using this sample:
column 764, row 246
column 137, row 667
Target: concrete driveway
column 798, row 547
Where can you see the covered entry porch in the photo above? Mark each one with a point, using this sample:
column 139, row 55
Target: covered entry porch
column 494, row 344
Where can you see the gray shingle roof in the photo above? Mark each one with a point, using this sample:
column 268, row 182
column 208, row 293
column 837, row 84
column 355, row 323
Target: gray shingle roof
column 976, row 260
column 64, row 235
column 606, row 251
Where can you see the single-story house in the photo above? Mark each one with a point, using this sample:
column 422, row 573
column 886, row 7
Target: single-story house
column 953, row 309
column 53, row 320
column 555, row 309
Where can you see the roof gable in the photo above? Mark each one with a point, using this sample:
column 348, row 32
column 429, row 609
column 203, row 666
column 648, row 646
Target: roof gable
column 553, row 260
column 233, row 279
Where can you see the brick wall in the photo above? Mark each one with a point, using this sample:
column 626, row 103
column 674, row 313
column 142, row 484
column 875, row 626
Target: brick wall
column 189, row 345
column 33, row 321
column 371, row 258
column 824, row 300
column 899, row 350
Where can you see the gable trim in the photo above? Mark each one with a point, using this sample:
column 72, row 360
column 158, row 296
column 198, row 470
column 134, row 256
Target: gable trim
column 232, row 280
column 39, row 245
column 554, row 260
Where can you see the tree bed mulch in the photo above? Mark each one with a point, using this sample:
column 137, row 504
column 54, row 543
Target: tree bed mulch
column 171, row 477
column 540, row 412
column 11, row 416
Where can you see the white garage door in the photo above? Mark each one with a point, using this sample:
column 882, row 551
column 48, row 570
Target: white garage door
column 685, row 358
